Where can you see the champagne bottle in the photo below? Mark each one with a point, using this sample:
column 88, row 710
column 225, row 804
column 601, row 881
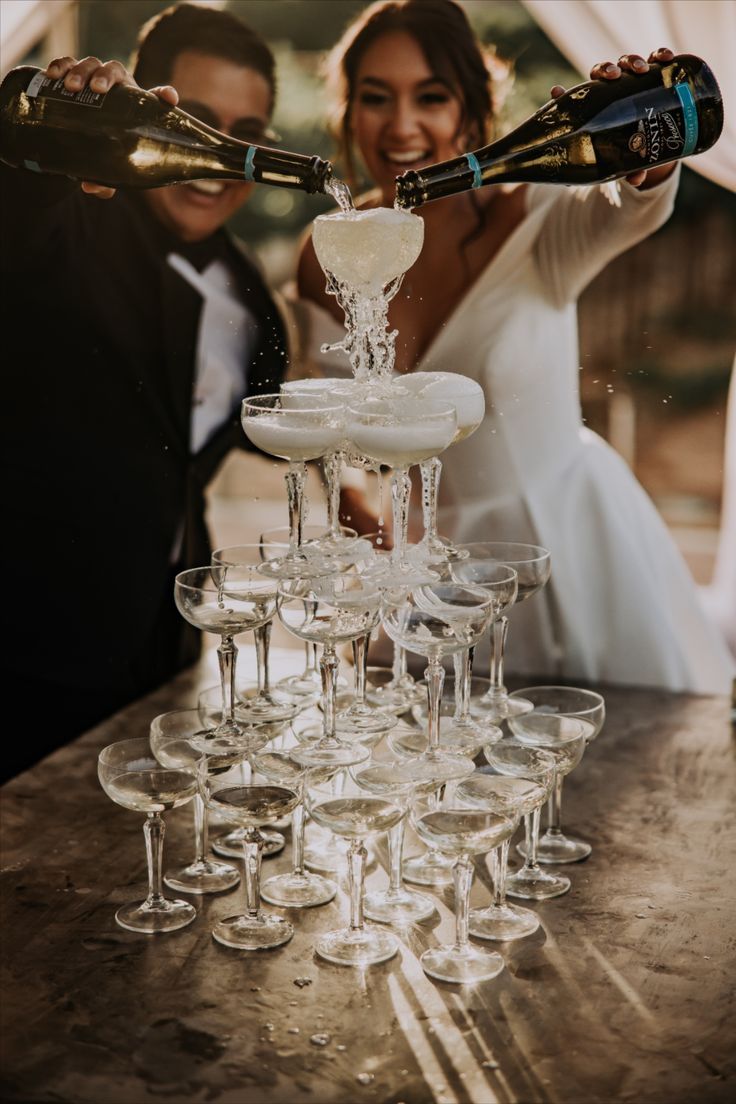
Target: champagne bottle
column 129, row 138
column 596, row 131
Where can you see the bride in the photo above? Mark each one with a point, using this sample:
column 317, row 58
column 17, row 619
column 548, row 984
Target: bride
column 493, row 296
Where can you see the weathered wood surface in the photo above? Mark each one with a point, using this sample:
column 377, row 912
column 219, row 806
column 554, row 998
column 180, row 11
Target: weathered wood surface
column 625, row 995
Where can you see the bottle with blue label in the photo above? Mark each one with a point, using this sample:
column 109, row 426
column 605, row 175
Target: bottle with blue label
column 596, row 131
column 128, row 138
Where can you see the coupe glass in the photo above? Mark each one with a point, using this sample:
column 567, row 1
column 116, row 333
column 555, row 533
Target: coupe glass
column 306, row 392
column 264, row 706
column 501, row 584
column 532, row 566
column 436, row 621
column 399, row 434
column 227, row 600
column 511, row 797
column 329, row 610
column 589, row 707
column 469, row 401
column 518, row 761
column 230, row 845
column 564, row 738
column 250, row 806
column 461, row 833
column 396, row 904
column 132, row 777
column 295, row 433
column 274, row 545
column 299, row 888
column 178, row 740
column 361, row 719
column 355, row 815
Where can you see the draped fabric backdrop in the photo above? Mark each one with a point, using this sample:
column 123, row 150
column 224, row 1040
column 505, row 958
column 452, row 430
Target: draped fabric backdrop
column 587, row 31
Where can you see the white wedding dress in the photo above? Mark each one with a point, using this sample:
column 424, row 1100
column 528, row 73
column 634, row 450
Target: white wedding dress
column 621, row 605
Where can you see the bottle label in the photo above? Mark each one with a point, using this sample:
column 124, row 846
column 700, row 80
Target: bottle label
column 663, row 135
column 41, row 85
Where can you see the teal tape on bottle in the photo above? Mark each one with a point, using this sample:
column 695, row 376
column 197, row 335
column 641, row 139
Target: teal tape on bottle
column 248, row 166
column 690, row 117
column 474, row 166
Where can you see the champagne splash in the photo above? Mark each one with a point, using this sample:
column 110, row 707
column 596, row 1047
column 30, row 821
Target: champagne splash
column 364, row 255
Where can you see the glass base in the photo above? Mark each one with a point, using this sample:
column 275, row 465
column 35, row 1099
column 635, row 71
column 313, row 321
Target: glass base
column 461, row 740
column 440, row 768
column 464, row 966
column 230, row 846
column 394, row 696
column 558, row 849
column 296, row 566
column 364, row 722
column 265, row 709
column 298, row 890
column 306, row 683
column 363, row 947
column 536, row 885
column 497, row 708
column 437, row 550
column 502, row 922
column 401, row 907
column 207, row 876
column 165, row 916
column 253, row 933
column 430, row 869
column 400, row 575
column 324, row 851
column 335, row 754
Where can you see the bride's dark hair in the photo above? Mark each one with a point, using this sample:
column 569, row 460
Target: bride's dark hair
column 448, row 42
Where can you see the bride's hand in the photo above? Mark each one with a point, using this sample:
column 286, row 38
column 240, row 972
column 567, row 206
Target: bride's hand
column 612, row 70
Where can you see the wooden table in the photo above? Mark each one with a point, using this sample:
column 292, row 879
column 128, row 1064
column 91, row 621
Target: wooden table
column 625, row 994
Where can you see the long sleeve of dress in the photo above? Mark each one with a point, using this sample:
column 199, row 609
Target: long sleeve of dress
column 585, row 228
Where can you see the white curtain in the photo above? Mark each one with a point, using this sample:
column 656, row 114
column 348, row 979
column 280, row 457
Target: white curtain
column 587, row 31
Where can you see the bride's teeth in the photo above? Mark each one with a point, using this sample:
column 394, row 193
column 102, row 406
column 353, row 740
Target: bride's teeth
column 208, row 187
column 407, row 157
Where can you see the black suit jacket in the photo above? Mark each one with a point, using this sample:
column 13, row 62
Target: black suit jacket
column 99, row 336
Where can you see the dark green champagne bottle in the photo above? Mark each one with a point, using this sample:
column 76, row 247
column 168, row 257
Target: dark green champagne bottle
column 128, row 138
column 596, row 131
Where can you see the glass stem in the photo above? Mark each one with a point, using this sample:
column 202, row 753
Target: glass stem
column 531, row 833
column 462, row 873
column 328, row 666
column 395, row 854
column 554, row 808
column 360, row 659
column 297, row 838
column 226, row 656
column 332, row 464
column 153, row 832
column 463, row 663
column 398, row 665
column 200, row 828
column 400, row 492
column 357, row 856
column 252, row 852
column 295, row 479
column 431, row 471
column 262, row 637
column 499, row 629
column 500, row 865
column 434, row 676
column 311, row 654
